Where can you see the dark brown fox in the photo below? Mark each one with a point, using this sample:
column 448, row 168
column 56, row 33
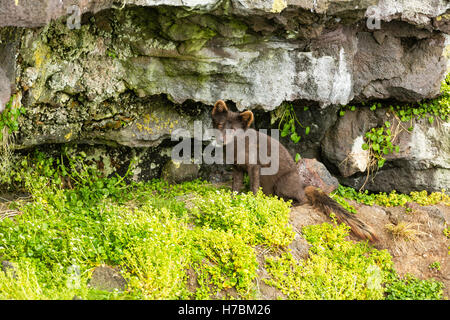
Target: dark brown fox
column 285, row 182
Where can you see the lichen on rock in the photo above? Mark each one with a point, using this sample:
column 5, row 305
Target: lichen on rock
column 124, row 77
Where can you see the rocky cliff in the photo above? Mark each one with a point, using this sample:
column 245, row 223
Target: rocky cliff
column 128, row 73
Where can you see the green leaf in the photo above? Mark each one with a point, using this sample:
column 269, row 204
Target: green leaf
column 297, row 157
column 342, row 113
column 307, row 130
column 376, row 147
column 387, row 124
column 397, row 149
column 381, row 162
column 285, row 130
column 431, row 120
column 295, row 138
column 365, row 146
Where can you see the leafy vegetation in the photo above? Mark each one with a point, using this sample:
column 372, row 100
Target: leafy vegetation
column 434, row 109
column 393, row 199
column 289, row 121
column 8, row 126
column 431, row 109
column 380, row 141
column 162, row 235
column 142, row 227
column 435, row 266
column 336, row 268
column 411, row 288
column 340, row 269
column 9, row 117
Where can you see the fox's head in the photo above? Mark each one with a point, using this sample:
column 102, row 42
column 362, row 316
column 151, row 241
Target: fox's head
column 229, row 123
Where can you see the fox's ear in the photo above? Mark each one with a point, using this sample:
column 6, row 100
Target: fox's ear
column 219, row 107
column 247, row 118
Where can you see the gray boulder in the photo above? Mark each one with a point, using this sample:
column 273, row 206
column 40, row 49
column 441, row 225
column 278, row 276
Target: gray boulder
column 107, row 279
column 422, row 163
column 314, row 173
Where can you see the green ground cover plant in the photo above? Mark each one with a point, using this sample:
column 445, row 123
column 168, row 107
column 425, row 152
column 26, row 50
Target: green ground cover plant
column 339, row 269
column 159, row 235
column 145, row 228
column 393, row 199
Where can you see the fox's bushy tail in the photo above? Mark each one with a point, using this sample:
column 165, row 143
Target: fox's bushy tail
column 323, row 202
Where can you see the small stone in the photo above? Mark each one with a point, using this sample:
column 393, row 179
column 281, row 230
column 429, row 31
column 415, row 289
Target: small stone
column 107, row 279
column 299, row 247
column 435, row 213
column 8, row 267
column 177, row 172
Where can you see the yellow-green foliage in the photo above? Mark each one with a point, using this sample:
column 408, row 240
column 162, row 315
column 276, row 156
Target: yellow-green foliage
column 340, row 269
column 336, row 269
column 143, row 227
column 222, row 261
column 159, row 234
column 158, row 257
column 30, row 281
column 430, row 109
column 425, row 199
column 235, row 224
column 256, row 219
column 393, row 199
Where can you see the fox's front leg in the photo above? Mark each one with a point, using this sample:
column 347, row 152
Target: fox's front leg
column 238, row 180
column 253, row 174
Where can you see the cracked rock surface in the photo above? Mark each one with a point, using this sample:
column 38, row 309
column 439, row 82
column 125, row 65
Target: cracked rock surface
column 129, row 73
